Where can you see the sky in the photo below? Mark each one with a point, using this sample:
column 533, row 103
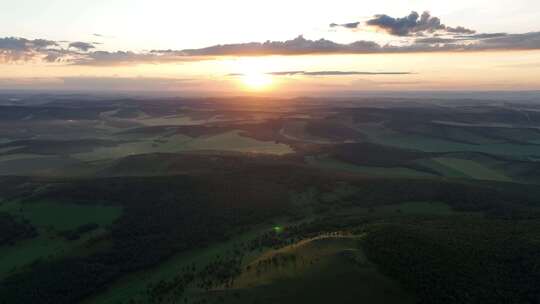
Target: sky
column 271, row 47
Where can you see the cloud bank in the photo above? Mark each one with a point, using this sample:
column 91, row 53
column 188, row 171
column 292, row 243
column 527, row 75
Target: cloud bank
column 417, row 33
column 302, row 46
column 21, row 49
column 13, row 50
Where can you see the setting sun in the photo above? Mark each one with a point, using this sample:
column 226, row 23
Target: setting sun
column 257, row 81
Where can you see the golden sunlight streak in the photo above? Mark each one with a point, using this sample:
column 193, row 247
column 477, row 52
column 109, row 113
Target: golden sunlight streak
column 257, row 81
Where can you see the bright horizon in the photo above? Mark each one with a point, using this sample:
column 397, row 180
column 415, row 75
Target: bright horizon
column 216, row 46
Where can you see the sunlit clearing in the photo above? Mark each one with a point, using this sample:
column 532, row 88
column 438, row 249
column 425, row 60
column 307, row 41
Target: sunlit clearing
column 257, row 81
column 278, row 229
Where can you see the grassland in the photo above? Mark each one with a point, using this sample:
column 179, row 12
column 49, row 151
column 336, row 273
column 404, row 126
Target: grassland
column 175, row 120
column 472, row 169
column 296, row 130
column 228, row 141
column 50, row 219
column 318, row 270
column 384, row 136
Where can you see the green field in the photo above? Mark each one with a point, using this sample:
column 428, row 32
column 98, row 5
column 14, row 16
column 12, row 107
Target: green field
column 472, row 169
column 384, row 136
column 248, row 200
column 228, row 141
column 51, row 218
column 175, row 120
column 296, row 130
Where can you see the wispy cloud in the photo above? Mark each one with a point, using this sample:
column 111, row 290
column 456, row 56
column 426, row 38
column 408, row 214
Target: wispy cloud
column 327, row 73
column 83, row 46
column 350, row 25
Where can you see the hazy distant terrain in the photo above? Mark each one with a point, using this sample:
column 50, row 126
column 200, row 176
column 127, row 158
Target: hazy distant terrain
column 266, row 200
column 478, row 140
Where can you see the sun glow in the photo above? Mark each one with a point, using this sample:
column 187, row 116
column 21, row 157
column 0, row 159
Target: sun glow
column 257, row 81
column 254, row 73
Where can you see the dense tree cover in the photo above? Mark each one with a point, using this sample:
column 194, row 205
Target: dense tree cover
column 491, row 256
column 257, row 174
column 15, row 187
column 461, row 260
column 13, row 230
column 332, row 130
column 448, row 259
column 503, row 200
column 76, row 233
column 17, row 113
column 162, row 216
column 53, row 147
column 369, row 154
column 168, row 215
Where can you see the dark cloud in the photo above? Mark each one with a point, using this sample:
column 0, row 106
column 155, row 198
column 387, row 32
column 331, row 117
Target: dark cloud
column 527, row 41
column 300, row 46
column 21, row 49
column 400, row 26
column 413, row 24
column 83, row 46
column 297, row 46
column 506, row 42
column 56, row 55
column 459, row 30
column 485, row 36
column 432, row 40
column 41, row 43
column 14, row 49
column 22, row 44
column 351, row 25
